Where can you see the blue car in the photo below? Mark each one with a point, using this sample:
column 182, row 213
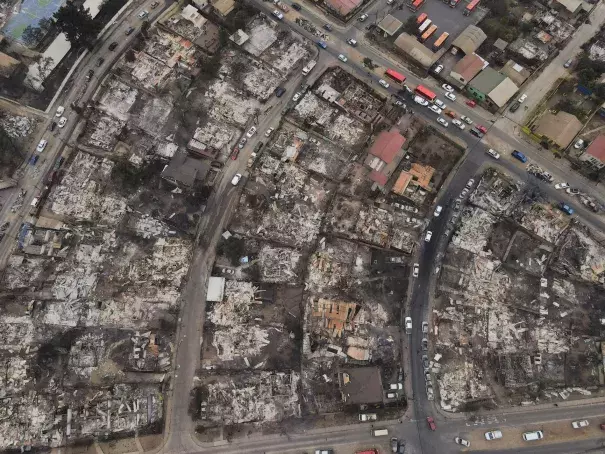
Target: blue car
column 520, row 156
column 565, row 208
column 322, row 44
column 33, row 160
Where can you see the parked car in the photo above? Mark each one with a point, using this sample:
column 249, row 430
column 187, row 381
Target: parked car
column 431, row 422
column 242, row 142
column 561, row 186
column 342, row 58
column 362, row 18
column 90, row 74
column 462, row 441
column 425, row 344
column 572, row 191
column 143, row 14
column 251, row 132
column 416, row 270
column 129, row 31
column 458, row 123
column 493, row 153
column 467, row 120
column 435, row 109
column 565, row 208
column 533, row 436
column 322, row 44
column 41, row 145
column 408, row 325
column 384, row 83
column 60, row 111
column 425, row 327
column 438, row 69
column 580, row 424
column 363, row 417
column 113, row 45
column 481, row 128
column 522, row 98
column 278, row 14
column 279, row 91
column 520, row 156
column 515, row 106
column 296, row 6
column 568, row 63
column 579, row 144
column 53, row 125
column 425, row 362
column 447, row 88
column 154, row 5
column 352, row 42
column 269, row 132
column 471, row 103
column 450, row 113
column 235, row 153
column 420, row 100
column 236, row 178
column 33, row 160
column 394, row 444
column 438, row 211
column 450, row 96
column 328, row 27
column 442, row 121
column 493, row 435
column 428, row 236
column 439, row 103
column 396, row 386
column 62, row 122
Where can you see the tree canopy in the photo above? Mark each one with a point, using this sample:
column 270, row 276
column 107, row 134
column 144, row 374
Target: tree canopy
column 32, row 36
column 78, row 25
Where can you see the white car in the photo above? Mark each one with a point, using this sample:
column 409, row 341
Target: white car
column 439, row 103
column 442, row 121
column 493, row 435
column 435, row 109
column 561, row 186
column 425, row 328
column 447, row 88
column 580, row 424
column 236, row 178
column 438, row 211
column 420, row 100
column 522, row 98
column 579, row 144
column 395, row 386
column 60, row 111
column 467, row 120
column 428, row 236
column 269, row 132
column 493, row 153
column 470, row 183
column 351, row 42
column 533, row 436
column 251, row 132
column 296, row 96
column 438, row 69
column 462, row 441
column 450, row 96
column 362, row 17
column 143, row 14
column 408, row 325
column 458, row 123
column 390, row 2
column 278, row 14
column 41, row 146
column 62, row 122
column 416, row 270
column 342, row 58
column 384, row 83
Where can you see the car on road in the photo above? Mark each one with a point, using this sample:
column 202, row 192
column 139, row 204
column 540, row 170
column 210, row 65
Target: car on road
column 390, row 2
column 458, row 123
column 471, row 103
column 561, row 186
column 425, row 344
column 251, row 132
column 296, row 96
column 515, row 106
column 322, row 44
column 439, row 103
column 391, row 395
column 493, row 435
column 394, row 444
column 324, row 451
column 579, row 144
column 100, row 61
column 362, row 17
column 416, row 270
column 450, row 113
column 154, row 5
column 396, row 386
column 435, row 109
column 41, row 145
column 467, row 120
column 462, row 441
column 475, row 132
column 328, row 27
column 143, row 14
column 438, row 211
column 278, row 14
column 398, row 103
column 235, row 153
column 493, row 153
column 352, row 42
column 447, row 88
column 53, row 125
column 296, row 6
column 279, row 91
column 482, row 128
column 572, row 191
column 384, row 83
column 470, row 183
column 568, row 63
column 60, row 111
column 342, row 58
column 431, row 422
column 428, row 236
column 269, row 132
column 443, row 122
column 565, row 208
column 438, row 69
column 425, row 327
column 520, row 156
column 236, row 178
column 580, row 424
column 90, row 74
column 129, row 31
column 450, row 96
column 33, row 160
column 408, row 325
column 363, row 417
column 522, row 98
column 533, row 436
column 420, row 100
column 425, row 363
column 242, row 142
column 113, row 45
column 62, row 122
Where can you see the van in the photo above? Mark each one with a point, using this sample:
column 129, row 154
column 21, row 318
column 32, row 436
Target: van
column 380, row 432
column 533, row 436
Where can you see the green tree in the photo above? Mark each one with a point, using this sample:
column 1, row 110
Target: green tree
column 599, row 91
column 410, row 26
column 78, row 25
column 32, row 36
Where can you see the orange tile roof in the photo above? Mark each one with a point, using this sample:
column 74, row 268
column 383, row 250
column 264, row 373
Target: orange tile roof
column 422, row 174
column 402, row 182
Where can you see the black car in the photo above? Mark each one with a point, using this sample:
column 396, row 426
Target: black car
column 279, row 91
column 113, row 45
column 296, row 6
column 129, row 31
column 90, row 74
column 100, row 61
column 515, row 106
column 476, row 133
column 328, row 27
column 53, row 125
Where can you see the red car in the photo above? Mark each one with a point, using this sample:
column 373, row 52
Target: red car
column 431, row 422
column 235, row 153
column 471, row 103
column 483, row 129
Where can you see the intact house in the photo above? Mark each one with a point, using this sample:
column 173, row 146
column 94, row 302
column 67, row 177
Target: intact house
column 559, row 128
column 492, row 88
column 384, row 156
column 466, row 69
column 594, row 155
